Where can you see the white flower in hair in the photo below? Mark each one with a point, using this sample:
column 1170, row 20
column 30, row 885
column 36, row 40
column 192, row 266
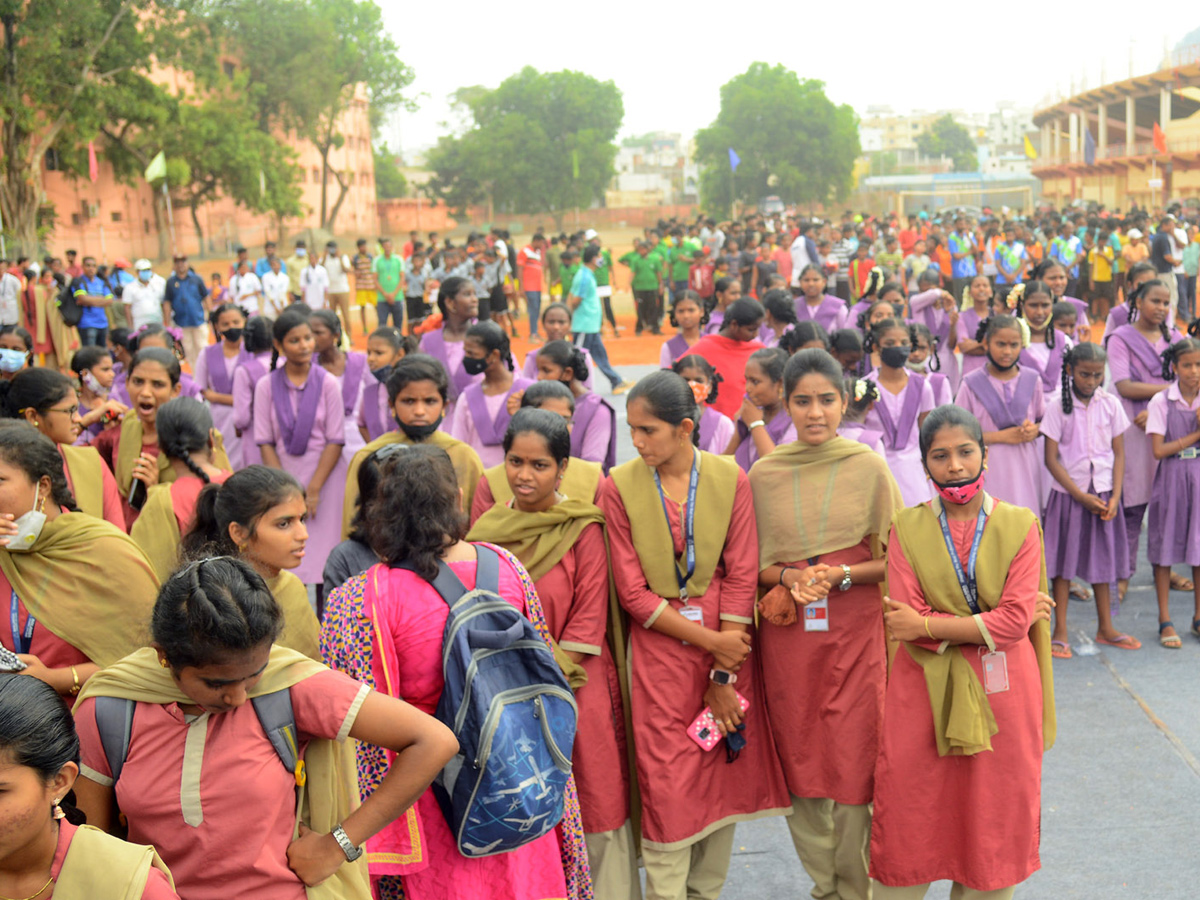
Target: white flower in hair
column 1014, row 296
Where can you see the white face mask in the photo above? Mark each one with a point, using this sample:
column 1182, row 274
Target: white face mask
column 29, row 527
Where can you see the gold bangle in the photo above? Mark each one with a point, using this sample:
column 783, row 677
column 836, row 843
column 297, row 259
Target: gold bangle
column 75, row 678
column 927, row 631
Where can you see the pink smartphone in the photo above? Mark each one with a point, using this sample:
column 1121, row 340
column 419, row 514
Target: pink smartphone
column 704, row 730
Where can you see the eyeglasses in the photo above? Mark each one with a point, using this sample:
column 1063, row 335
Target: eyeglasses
column 70, row 410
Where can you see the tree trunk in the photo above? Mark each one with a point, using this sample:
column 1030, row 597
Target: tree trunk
column 160, row 230
column 324, row 148
column 195, row 207
column 343, row 190
column 20, row 195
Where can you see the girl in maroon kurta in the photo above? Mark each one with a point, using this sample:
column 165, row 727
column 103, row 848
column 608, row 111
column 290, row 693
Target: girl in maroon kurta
column 830, row 563
column 696, row 624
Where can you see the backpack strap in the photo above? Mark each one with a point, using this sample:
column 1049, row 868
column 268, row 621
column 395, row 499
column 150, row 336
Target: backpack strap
column 448, row 585
column 278, row 720
column 114, row 721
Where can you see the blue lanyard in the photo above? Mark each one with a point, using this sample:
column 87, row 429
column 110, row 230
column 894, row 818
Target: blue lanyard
column 22, row 641
column 966, row 580
column 689, row 525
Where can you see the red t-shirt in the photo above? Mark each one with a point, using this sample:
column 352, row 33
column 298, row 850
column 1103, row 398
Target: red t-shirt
column 728, row 357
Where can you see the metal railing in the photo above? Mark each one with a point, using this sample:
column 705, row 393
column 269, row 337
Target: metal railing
column 1118, row 150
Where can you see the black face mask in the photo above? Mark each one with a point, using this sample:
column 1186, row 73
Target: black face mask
column 232, row 334
column 894, row 357
column 473, row 366
column 419, row 432
column 382, row 374
column 1001, row 368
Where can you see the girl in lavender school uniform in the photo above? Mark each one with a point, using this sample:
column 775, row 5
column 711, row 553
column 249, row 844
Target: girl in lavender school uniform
column 1173, row 423
column 1137, row 275
column 804, row 336
column 859, row 313
column 687, row 314
column 924, row 361
column 1009, row 403
column 300, row 427
column 1031, row 303
column 867, row 320
column 93, row 366
column 155, row 335
column 905, row 399
column 214, row 374
column 717, row 431
column 978, row 305
column 459, row 307
column 1063, row 318
column 594, row 430
column 726, row 291
column 846, row 346
column 861, row 396
column 1135, row 364
column 1085, row 526
column 482, row 417
column 763, row 422
column 779, row 316
column 937, row 311
column 256, row 340
column 349, row 369
column 385, row 347
column 1053, row 273
column 815, row 304
column 556, row 326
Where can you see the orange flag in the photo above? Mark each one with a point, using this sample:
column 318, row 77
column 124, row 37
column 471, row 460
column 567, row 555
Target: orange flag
column 1160, row 139
column 93, row 166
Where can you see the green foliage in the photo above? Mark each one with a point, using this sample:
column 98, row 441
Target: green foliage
column 389, row 180
column 952, row 140
column 522, row 141
column 786, row 131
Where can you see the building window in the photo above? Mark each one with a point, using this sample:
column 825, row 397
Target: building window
column 53, row 163
column 116, row 217
column 76, row 219
column 303, row 176
column 316, row 175
column 146, row 226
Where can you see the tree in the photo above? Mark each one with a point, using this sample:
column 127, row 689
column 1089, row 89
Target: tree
column 950, row 139
column 541, row 142
column 69, row 67
column 389, row 180
column 791, row 140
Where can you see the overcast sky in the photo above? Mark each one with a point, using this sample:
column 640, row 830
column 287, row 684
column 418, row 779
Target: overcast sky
column 670, row 59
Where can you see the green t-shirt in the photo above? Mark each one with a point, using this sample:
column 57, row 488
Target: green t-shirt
column 387, row 272
column 681, row 260
column 568, row 277
column 604, row 269
column 645, row 269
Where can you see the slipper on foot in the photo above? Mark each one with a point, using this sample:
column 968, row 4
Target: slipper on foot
column 1124, row 641
column 1179, row 583
column 1064, row 653
column 1170, row 641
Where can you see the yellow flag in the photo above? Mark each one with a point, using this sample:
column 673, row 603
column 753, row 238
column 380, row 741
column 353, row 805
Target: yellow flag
column 1029, row 151
column 157, row 168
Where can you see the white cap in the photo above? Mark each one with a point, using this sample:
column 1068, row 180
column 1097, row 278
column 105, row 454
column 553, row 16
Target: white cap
column 1135, row 233
column 142, row 265
column 589, row 234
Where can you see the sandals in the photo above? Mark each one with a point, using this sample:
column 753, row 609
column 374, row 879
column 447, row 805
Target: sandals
column 1179, row 583
column 1170, row 641
column 1080, row 591
column 1063, row 653
column 1196, row 627
column 1123, row 641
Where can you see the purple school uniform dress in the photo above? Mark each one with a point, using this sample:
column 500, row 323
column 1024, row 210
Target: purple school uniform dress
column 1046, row 361
column 855, row 311
column 716, row 430
column 299, row 422
column 1117, row 316
column 594, row 435
column 214, row 372
column 672, row 349
column 768, row 338
column 1081, row 310
column 869, row 437
column 245, row 378
column 830, row 312
column 449, row 354
column 481, row 420
column 1173, row 535
column 897, row 418
column 1013, row 469
column 715, row 320
column 529, row 370
column 780, row 429
column 926, row 311
column 374, row 412
column 968, row 327
column 352, row 382
column 1079, row 544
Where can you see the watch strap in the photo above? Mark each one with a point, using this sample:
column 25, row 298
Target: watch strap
column 339, row 835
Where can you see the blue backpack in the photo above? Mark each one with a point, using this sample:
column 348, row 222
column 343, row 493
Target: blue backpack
column 514, row 715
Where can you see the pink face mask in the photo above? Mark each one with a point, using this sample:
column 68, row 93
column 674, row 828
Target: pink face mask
column 960, row 492
column 700, row 391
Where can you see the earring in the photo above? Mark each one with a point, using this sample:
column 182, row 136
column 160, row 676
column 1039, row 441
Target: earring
column 164, row 664
column 58, row 812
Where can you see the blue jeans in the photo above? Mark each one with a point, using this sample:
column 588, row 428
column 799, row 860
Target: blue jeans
column 383, row 308
column 534, row 300
column 93, row 337
column 593, row 343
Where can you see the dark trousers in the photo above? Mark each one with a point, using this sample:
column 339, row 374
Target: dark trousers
column 1186, row 295
column 93, row 337
column 647, row 309
column 842, row 289
column 386, row 308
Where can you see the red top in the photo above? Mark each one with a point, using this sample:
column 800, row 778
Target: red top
column 185, row 492
column 53, row 651
column 728, row 357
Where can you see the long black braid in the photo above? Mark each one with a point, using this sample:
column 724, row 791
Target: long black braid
column 1171, row 355
column 1068, row 402
column 1085, row 352
column 916, row 330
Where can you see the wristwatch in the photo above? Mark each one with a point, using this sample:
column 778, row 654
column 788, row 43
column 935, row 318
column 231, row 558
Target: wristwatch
column 352, row 852
column 720, row 676
column 845, row 585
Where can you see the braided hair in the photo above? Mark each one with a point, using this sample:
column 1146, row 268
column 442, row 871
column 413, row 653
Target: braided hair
column 184, row 427
column 1172, row 354
column 992, row 324
column 876, row 332
column 1085, row 352
column 493, row 337
column 864, row 318
column 804, row 332
column 694, row 361
column 1135, row 298
column 566, row 355
column 918, row 330
column 288, row 319
column 860, row 394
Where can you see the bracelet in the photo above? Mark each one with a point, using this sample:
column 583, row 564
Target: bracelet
column 75, row 678
column 757, row 423
column 781, row 573
column 927, row 631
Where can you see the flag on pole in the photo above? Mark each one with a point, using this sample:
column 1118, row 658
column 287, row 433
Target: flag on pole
column 157, row 168
column 1089, row 147
column 1030, row 153
column 93, row 166
column 1160, row 139
column 734, row 159
column 574, row 163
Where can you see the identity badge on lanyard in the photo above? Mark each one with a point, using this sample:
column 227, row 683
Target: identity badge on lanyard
column 683, row 576
column 816, row 614
column 22, row 640
column 994, row 663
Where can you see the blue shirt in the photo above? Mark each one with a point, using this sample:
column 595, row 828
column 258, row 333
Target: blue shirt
column 92, row 316
column 965, row 267
column 263, row 266
column 586, row 318
column 1013, row 253
column 186, row 296
column 1067, row 252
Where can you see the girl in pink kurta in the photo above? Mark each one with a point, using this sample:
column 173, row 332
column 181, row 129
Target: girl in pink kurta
column 215, row 369
column 482, row 416
column 695, row 626
column 256, row 339
column 299, row 425
column 1009, row 403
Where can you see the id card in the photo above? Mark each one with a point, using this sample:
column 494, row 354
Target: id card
column 692, row 614
column 995, row 672
column 816, row 615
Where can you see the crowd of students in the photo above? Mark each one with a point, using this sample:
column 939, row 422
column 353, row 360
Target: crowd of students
column 183, row 547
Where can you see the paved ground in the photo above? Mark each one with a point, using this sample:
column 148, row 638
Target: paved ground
column 1120, row 789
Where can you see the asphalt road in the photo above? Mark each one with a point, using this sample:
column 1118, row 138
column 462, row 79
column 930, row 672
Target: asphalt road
column 1120, row 789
